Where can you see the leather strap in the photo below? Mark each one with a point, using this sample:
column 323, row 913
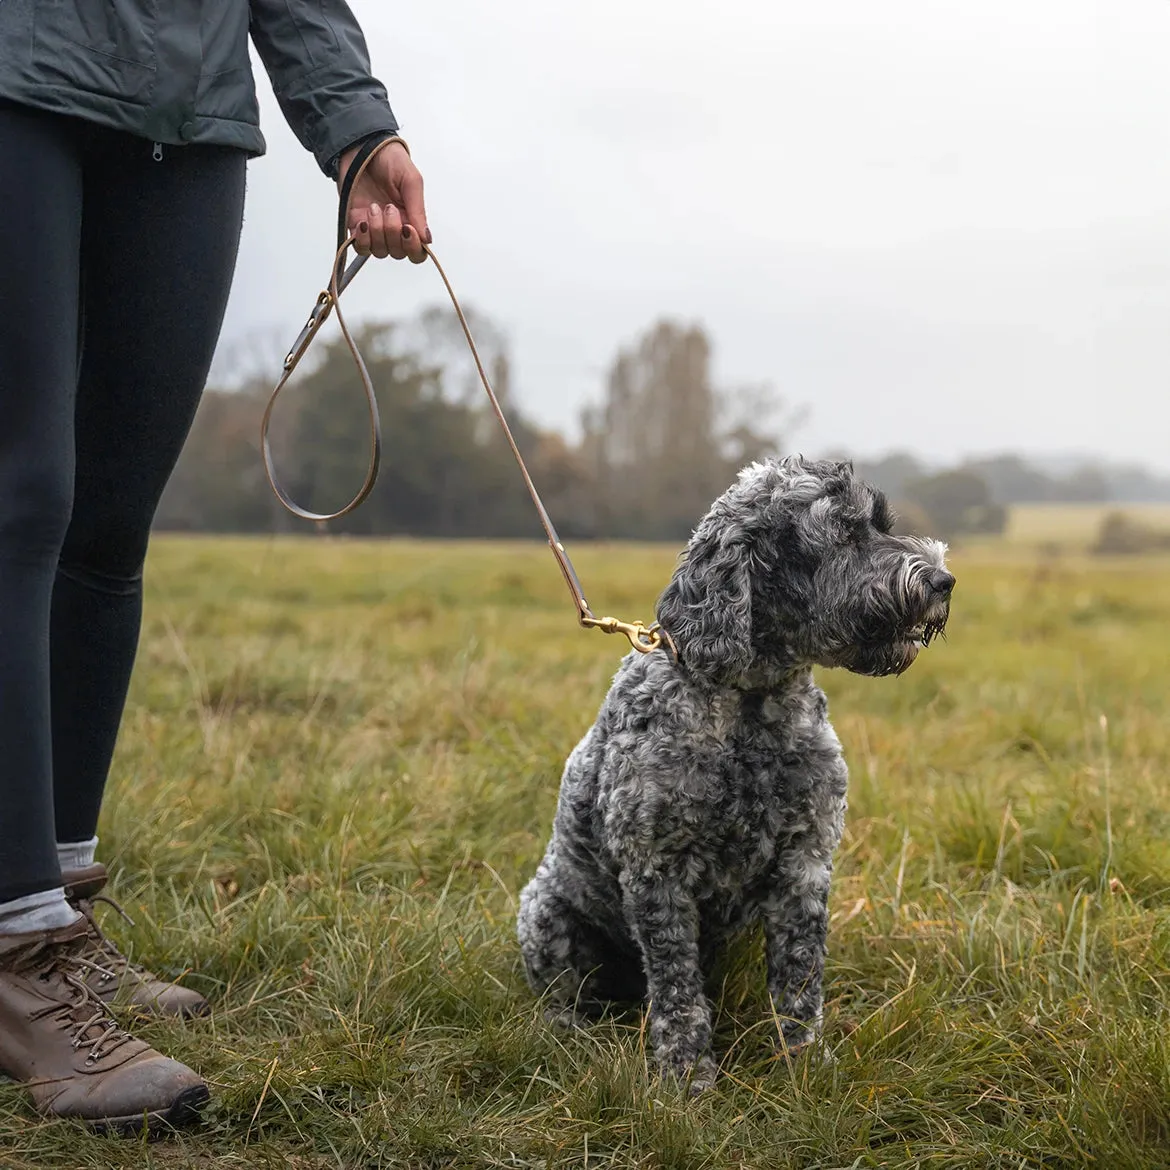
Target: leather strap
column 356, row 168
column 642, row 638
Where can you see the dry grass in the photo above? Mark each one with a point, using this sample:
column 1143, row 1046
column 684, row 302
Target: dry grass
column 1075, row 526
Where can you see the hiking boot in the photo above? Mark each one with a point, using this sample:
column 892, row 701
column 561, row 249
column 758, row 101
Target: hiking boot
column 57, row 1038
column 114, row 979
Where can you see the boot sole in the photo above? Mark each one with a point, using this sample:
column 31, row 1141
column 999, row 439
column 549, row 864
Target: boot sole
column 183, row 1110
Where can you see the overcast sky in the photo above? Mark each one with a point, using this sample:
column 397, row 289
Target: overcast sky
column 938, row 225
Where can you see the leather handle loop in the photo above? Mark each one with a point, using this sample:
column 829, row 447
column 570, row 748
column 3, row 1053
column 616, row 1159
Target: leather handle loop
column 330, row 301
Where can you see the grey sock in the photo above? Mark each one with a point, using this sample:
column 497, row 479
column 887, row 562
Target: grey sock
column 76, row 854
column 47, row 910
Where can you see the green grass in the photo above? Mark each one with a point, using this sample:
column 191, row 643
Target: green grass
column 339, row 766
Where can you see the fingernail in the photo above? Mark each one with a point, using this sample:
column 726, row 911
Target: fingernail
column 363, row 227
column 375, row 209
column 406, row 233
column 430, row 238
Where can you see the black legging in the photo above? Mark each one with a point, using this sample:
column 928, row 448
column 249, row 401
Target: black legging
column 115, row 267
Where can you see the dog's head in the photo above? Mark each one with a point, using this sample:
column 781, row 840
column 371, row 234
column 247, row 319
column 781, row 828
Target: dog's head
column 795, row 565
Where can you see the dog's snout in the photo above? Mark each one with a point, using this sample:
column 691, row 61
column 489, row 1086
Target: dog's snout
column 941, row 582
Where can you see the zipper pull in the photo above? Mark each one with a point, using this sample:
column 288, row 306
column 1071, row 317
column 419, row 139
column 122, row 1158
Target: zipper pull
column 156, row 154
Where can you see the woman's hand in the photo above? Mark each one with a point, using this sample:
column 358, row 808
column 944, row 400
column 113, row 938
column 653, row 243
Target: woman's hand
column 386, row 212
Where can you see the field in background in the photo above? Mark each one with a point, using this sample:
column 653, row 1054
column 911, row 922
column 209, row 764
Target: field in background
column 1075, row 526
column 339, row 767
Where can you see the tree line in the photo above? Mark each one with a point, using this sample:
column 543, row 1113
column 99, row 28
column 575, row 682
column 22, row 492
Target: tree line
column 652, row 454
column 661, row 443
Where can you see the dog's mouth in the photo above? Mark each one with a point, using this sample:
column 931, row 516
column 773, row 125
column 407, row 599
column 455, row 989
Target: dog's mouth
column 898, row 654
column 921, row 635
column 892, row 647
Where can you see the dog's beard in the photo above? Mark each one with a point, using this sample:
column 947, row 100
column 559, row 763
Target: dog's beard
column 897, row 652
column 881, row 658
column 885, row 635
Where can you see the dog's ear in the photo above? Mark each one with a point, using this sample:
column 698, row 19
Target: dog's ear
column 707, row 607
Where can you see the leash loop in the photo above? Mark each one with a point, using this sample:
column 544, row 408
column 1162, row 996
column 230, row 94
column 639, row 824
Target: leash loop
column 644, row 639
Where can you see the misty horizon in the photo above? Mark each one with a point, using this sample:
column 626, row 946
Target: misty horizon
column 937, row 229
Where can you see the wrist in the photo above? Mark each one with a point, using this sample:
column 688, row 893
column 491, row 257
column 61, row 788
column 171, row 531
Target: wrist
column 342, row 160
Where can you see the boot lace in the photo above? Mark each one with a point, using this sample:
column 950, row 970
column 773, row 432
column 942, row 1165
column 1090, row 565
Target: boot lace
column 114, row 965
column 65, row 965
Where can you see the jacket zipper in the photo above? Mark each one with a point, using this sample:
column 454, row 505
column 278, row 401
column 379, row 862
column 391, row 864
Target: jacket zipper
column 156, row 154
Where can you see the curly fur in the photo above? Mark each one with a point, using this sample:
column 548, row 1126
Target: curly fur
column 710, row 792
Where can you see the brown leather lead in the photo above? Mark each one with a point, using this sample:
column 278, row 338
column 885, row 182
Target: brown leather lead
column 642, row 638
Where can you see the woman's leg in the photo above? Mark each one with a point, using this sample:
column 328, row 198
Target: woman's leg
column 40, row 229
column 155, row 270
column 159, row 242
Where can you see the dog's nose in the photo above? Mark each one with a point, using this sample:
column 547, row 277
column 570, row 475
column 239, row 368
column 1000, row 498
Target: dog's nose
column 941, row 582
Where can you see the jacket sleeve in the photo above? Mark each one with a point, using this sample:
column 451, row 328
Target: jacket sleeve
column 317, row 60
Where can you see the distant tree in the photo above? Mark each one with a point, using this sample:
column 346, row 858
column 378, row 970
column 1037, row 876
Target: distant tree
column 665, row 442
column 751, row 418
column 1121, row 535
column 219, row 484
column 446, row 468
column 1010, row 480
column 957, row 502
column 891, row 473
column 1136, row 485
column 912, row 519
column 563, row 476
column 1086, row 485
column 251, row 360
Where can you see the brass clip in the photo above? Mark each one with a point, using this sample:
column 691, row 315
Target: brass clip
column 644, row 639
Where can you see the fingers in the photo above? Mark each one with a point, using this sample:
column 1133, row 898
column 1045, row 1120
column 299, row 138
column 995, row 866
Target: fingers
column 385, row 231
column 379, row 231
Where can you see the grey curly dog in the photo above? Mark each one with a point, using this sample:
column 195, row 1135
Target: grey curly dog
column 710, row 792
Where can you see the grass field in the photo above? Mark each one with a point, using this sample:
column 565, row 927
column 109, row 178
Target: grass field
column 339, row 767
column 1075, row 526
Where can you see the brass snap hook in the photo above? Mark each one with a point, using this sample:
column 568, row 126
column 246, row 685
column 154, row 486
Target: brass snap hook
column 644, row 639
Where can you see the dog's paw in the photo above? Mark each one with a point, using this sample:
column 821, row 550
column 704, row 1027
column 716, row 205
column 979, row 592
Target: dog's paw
column 702, row 1075
column 566, row 1018
column 810, row 1047
column 696, row 1076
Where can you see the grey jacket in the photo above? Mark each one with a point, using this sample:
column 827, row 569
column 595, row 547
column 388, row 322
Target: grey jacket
column 178, row 71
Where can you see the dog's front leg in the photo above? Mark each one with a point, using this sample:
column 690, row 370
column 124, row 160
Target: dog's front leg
column 796, row 924
column 662, row 917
